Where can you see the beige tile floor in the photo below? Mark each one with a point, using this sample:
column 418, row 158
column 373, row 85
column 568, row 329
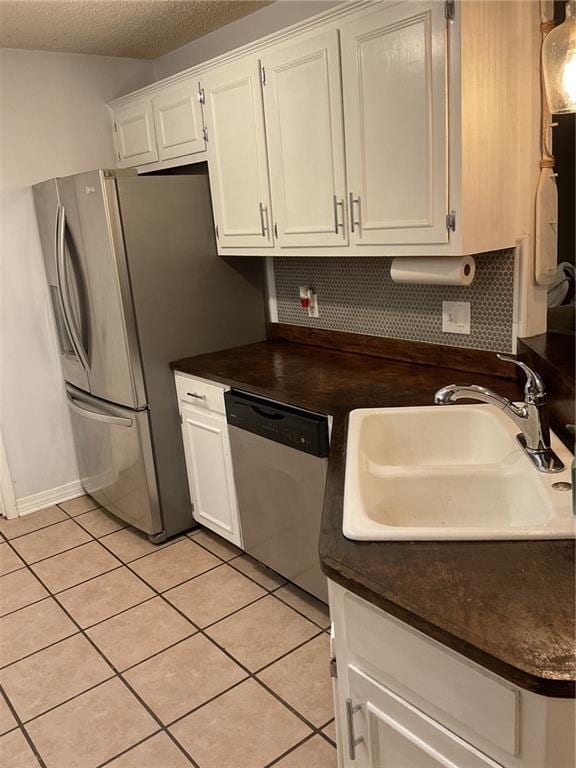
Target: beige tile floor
column 117, row 652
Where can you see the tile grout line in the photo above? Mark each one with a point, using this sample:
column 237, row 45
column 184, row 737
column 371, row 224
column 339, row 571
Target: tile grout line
column 182, row 537
column 303, row 741
column 123, row 681
column 299, row 744
column 52, row 594
column 200, row 630
column 55, row 554
column 125, row 751
column 249, row 673
column 22, row 728
column 28, row 605
column 85, row 581
column 179, row 537
column 157, row 653
column 112, row 675
column 36, row 530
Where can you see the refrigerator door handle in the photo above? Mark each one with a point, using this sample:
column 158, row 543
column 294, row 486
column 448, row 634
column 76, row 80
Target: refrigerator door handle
column 119, row 421
column 63, row 289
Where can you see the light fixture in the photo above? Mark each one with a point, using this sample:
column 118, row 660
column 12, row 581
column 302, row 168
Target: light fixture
column 559, row 64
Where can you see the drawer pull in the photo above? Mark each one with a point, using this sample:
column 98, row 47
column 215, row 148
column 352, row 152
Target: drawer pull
column 353, row 741
column 196, row 396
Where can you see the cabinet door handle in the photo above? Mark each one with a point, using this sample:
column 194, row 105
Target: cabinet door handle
column 196, row 396
column 264, row 219
column 354, row 201
column 353, row 740
column 337, row 223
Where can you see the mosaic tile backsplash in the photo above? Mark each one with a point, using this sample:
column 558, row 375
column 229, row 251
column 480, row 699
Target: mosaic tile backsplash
column 357, row 295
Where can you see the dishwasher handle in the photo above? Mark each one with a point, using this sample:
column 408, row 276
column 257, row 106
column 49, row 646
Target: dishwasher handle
column 274, row 415
column 294, row 427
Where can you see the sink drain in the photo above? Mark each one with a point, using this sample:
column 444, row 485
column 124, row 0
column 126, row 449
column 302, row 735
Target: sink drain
column 562, row 486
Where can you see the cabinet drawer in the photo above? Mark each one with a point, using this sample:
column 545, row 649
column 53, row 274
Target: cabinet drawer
column 439, row 682
column 201, row 393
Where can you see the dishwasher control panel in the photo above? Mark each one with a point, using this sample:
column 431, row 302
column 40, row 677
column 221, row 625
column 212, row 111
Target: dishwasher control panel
column 297, row 428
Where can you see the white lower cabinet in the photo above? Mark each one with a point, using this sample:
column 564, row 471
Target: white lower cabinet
column 402, row 700
column 385, row 731
column 208, row 461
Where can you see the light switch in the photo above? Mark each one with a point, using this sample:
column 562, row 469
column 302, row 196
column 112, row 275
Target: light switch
column 456, row 317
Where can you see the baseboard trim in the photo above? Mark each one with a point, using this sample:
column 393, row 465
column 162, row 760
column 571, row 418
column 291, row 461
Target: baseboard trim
column 28, row 504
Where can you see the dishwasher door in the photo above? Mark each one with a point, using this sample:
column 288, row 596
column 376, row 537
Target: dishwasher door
column 280, row 494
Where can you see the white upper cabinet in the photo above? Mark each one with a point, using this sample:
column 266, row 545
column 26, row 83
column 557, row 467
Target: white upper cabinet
column 391, row 128
column 304, row 126
column 237, row 156
column 178, row 120
column 394, row 65
column 134, row 135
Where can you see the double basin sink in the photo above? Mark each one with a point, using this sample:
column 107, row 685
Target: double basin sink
column 433, row 473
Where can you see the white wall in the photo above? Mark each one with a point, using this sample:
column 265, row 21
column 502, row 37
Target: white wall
column 54, row 122
column 272, row 18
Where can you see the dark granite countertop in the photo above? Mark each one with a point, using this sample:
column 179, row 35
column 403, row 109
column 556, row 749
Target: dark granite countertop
column 507, row 605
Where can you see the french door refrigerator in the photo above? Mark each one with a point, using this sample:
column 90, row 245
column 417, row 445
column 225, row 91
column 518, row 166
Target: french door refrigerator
column 135, row 282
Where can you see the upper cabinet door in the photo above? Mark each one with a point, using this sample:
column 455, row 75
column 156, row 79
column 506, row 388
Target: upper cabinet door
column 237, row 155
column 178, row 121
column 303, row 107
column 394, row 65
column 134, row 132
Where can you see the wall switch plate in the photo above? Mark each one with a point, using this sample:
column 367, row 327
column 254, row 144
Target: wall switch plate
column 313, row 308
column 456, row 317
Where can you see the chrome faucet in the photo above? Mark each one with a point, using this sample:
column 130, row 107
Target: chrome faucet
column 531, row 417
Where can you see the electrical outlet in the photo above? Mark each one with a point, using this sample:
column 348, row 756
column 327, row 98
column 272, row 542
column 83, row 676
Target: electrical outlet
column 456, row 317
column 309, row 301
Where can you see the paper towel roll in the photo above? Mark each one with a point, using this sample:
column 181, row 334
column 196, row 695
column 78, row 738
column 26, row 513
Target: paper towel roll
column 430, row 271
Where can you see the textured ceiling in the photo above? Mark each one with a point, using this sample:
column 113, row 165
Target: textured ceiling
column 142, row 29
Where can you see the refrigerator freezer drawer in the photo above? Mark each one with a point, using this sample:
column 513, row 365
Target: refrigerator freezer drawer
column 114, row 453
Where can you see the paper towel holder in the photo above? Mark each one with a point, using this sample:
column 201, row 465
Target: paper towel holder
column 440, row 270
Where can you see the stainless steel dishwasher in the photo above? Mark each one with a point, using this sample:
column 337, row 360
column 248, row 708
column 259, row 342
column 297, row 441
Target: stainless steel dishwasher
column 279, row 454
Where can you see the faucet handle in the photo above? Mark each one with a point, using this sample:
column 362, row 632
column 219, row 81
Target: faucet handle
column 534, row 389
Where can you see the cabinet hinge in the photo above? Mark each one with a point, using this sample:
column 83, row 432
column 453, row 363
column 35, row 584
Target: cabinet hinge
column 217, row 233
column 450, row 10
column 201, row 97
column 333, row 667
column 115, row 128
column 119, row 156
column 451, row 221
column 205, row 133
column 276, row 230
column 263, row 75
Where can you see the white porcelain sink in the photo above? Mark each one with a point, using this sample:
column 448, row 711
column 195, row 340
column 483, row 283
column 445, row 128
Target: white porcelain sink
column 448, row 472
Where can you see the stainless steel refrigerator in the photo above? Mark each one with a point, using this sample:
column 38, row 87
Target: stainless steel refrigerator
column 135, row 282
